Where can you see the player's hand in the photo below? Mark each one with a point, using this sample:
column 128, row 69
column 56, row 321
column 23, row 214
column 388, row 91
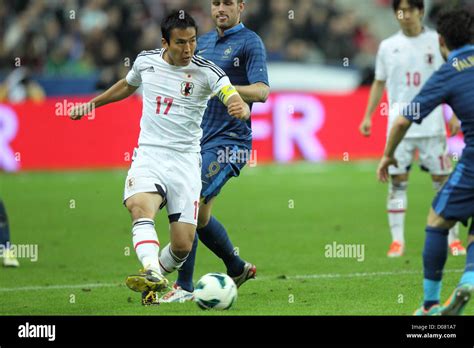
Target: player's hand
column 454, row 126
column 79, row 111
column 365, row 127
column 239, row 110
column 382, row 170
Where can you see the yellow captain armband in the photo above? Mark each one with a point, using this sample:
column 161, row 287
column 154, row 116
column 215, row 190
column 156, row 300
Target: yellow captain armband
column 226, row 92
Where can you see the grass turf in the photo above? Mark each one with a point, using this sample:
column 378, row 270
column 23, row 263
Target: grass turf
column 280, row 217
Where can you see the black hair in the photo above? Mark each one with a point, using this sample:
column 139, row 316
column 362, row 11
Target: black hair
column 457, row 28
column 176, row 19
column 420, row 4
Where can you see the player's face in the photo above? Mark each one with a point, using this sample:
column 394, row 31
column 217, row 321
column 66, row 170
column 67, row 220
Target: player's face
column 409, row 17
column 181, row 47
column 226, row 13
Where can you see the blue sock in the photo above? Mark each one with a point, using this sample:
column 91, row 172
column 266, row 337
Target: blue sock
column 468, row 276
column 185, row 273
column 215, row 237
column 4, row 229
column 435, row 254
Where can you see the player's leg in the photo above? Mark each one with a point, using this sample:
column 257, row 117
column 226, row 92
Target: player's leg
column 455, row 245
column 434, row 158
column 144, row 195
column 9, row 259
column 143, row 208
column 176, row 252
column 454, row 202
column 183, row 211
column 214, row 235
column 435, row 254
column 397, row 196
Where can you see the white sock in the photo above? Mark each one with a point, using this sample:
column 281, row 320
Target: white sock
column 453, row 234
column 169, row 262
column 145, row 242
column 396, row 208
column 454, row 231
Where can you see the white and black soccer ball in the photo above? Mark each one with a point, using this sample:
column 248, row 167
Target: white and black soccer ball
column 215, row 291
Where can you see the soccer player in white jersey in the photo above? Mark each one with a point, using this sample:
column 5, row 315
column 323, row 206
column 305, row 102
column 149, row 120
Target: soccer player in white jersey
column 405, row 61
column 166, row 166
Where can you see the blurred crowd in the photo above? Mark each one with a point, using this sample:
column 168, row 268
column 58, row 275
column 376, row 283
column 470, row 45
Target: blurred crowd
column 80, row 37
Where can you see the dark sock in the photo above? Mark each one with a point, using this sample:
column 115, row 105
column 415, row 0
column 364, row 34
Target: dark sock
column 435, row 254
column 215, row 237
column 185, row 273
column 4, row 229
column 468, row 276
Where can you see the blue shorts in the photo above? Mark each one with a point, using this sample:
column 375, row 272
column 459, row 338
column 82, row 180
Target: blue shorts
column 455, row 201
column 220, row 164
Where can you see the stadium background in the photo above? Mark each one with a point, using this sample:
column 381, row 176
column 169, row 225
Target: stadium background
column 321, row 57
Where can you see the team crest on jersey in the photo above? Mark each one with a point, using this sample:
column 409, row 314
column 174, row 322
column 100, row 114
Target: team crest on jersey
column 430, row 58
column 227, row 52
column 187, row 88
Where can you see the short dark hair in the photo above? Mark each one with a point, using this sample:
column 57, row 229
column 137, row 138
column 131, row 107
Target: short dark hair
column 176, row 19
column 456, row 27
column 420, row 4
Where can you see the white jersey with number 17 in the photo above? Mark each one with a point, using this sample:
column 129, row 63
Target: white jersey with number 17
column 174, row 99
column 406, row 63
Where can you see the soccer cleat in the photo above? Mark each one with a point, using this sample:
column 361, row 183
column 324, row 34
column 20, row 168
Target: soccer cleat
column 250, row 271
column 458, row 300
column 10, row 260
column 177, row 294
column 150, row 298
column 457, row 248
column 147, row 281
column 396, row 249
column 434, row 310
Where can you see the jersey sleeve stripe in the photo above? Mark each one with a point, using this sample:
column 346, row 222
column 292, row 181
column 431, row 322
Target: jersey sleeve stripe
column 208, row 62
column 152, row 52
column 219, row 74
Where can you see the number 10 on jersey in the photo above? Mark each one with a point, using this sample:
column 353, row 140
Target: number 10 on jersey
column 168, row 101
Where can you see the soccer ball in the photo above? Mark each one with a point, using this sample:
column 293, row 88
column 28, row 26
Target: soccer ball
column 215, row 291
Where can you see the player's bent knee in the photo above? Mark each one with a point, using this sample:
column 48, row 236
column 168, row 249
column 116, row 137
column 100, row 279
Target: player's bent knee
column 137, row 211
column 203, row 220
column 204, row 215
column 437, row 221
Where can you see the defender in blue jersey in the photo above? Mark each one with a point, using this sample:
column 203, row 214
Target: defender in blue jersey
column 452, row 84
column 226, row 144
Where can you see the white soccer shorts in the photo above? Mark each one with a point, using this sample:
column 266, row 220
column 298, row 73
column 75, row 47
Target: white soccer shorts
column 172, row 174
column 433, row 155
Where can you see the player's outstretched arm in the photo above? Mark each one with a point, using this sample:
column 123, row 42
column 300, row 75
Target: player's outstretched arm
column 254, row 93
column 376, row 93
column 398, row 131
column 117, row 92
column 237, row 108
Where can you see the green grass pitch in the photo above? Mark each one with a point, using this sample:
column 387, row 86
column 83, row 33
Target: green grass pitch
column 280, row 217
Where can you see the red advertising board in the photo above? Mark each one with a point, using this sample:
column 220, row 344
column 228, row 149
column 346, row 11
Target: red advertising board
column 288, row 127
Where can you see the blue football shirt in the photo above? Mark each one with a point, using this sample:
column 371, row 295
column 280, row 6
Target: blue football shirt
column 241, row 54
column 452, row 84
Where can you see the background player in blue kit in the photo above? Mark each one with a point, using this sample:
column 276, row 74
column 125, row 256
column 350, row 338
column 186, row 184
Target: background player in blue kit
column 453, row 84
column 227, row 143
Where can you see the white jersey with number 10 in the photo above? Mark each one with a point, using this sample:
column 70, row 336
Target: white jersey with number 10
column 406, row 63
